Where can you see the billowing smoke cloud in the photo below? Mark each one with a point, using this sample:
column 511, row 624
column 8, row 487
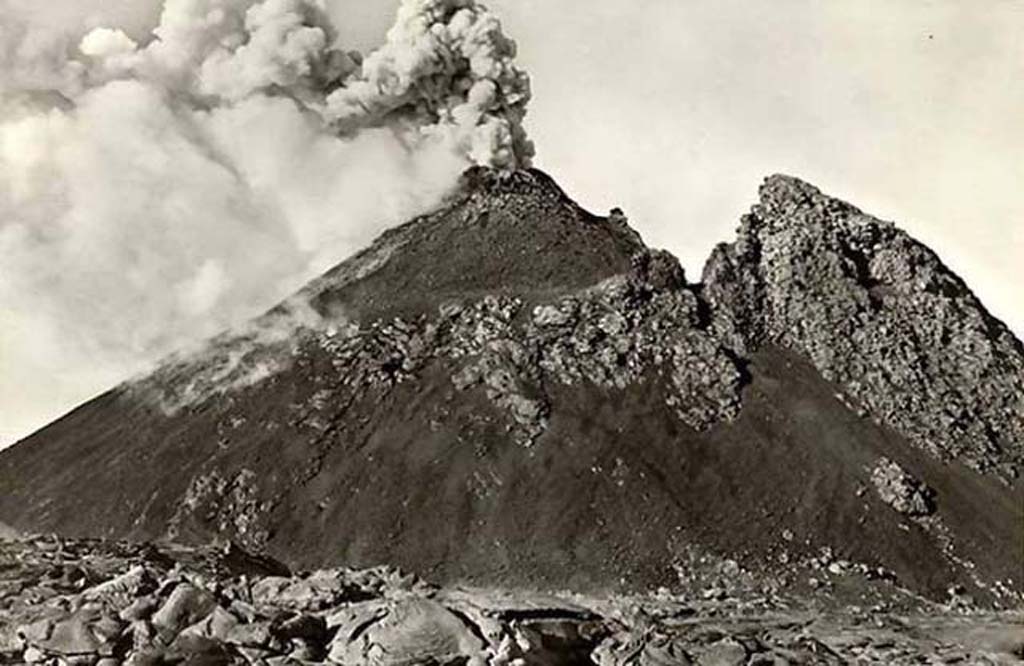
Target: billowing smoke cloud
column 156, row 189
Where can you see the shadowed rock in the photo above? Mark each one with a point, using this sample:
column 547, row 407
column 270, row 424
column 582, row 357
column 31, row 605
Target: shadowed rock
column 209, row 617
column 879, row 314
column 512, row 391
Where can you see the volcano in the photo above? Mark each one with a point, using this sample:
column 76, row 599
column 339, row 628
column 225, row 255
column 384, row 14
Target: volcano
column 513, row 391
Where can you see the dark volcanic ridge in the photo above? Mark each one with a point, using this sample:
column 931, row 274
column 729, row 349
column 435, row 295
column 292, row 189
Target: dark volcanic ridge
column 513, row 391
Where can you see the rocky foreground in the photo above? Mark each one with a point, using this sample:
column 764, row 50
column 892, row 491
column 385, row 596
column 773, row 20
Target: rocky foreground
column 97, row 602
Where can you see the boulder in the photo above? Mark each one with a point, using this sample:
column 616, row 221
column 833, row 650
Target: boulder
column 89, row 631
column 403, row 632
column 318, row 591
column 140, row 608
column 630, row 649
column 727, row 652
column 186, row 606
column 122, row 590
column 198, row 650
column 218, row 625
column 897, row 488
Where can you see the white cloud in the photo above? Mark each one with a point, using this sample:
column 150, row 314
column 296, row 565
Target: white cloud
column 673, row 110
column 158, row 189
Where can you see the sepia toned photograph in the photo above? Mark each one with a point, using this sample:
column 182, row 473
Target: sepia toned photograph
column 511, row 333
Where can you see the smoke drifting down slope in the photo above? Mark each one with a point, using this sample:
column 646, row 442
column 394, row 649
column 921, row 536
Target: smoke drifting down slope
column 156, row 192
column 523, row 394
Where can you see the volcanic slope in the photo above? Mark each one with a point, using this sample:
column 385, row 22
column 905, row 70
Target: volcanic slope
column 513, row 391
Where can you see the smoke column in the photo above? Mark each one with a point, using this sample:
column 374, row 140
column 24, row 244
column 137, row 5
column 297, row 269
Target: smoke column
column 155, row 191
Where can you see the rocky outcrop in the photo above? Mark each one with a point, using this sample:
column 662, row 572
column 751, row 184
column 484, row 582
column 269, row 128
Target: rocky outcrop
column 104, row 603
column 872, row 309
column 880, row 315
column 622, row 331
column 511, row 390
column 902, row 491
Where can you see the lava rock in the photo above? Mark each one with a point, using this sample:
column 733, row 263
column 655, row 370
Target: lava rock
column 902, row 491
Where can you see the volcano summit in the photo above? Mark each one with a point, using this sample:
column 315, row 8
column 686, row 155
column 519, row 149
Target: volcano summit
column 511, row 391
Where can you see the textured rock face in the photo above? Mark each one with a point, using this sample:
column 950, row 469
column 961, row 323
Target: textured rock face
column 877, row 313
column 142, row 605
column 900, row 490
column 619, row 332
column 511, row 391
column 583, row 302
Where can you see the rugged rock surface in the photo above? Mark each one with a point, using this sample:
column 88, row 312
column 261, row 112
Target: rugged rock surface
column 106, row 603
column 901, row 491
column 879, row 314
column 511, row 391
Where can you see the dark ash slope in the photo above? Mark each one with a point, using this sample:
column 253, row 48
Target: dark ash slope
column 513, row 391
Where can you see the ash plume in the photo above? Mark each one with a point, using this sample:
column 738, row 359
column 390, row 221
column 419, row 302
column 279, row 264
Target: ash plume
column 157, row 188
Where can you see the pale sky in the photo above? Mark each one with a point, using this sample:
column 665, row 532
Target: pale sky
column 676, row 110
